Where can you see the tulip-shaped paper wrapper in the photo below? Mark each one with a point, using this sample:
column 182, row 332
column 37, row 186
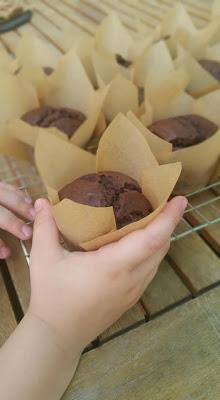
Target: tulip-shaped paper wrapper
column 17, row 97
column 32, row 58
column 122, row 148
column 168, row 99
column 67, row 86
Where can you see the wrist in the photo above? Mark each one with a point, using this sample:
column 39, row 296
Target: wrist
column 41, row 367
column 68, row 349
column 66, row 326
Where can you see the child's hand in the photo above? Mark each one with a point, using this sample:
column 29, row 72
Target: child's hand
column 14, row 204
column 80, row 294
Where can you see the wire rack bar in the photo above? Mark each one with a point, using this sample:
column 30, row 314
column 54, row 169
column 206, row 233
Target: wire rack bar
column 205, row 212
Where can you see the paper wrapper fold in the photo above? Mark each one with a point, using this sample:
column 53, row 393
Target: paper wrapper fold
column 10, row 146
column 176, row 18
column 113, row 36
column 156, row 59
column 122, row 96
column 68, row 86
column 31, row 56
column 17, row 96
column 5, row 61
column 179, row 29
column 199, row 162
column 200, row 80
column 91, row 227
column 167, row 97
column 106, row 67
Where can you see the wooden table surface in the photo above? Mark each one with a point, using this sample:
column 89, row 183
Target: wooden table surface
column 168, row 345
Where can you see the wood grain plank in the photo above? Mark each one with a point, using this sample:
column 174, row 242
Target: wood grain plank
column 128, row 17
column 18, row 270
column 195, row 262
column 91, row 8
column 32, row 30
column 48, row 30
column 176, row 356
column 165, row 290
column 82, row 10
column 56, row 18
column 199, row 16
column 148, row 10
column 10, row 40
column 7, row 318
column 132, row 317
column 73, row 15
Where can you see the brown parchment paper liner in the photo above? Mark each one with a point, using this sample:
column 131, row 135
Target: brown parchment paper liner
column 5, row 61
column 122, row 96
column 154, row 58
column 92, row 227
column 178, row 28
column 200, row 80
column 10, row 146
column 199, row 162
column 165, row 93
column 68, row 86
column 83, row 45
column 215, row 9
column 31, row 48
column 31, row 56
column 175, row 18
column 213, row 52
column 16, row 96
column 112, row 36
column 106, row 67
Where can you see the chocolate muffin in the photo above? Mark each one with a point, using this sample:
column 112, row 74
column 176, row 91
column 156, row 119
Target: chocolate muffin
column 65, row 119
column 122, row 61
column 213, row 67
column 140, row 95
column 106, row 189
column 48, row 70
column 184, row 131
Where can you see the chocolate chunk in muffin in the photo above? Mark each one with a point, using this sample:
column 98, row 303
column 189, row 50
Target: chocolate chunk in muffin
column 106, row 189
column 184, row 131
column 122, row 61
column 213, row 67
column 65, row 119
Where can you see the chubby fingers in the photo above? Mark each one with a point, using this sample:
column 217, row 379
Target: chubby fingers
column 137, row 246
column 45, row 235
column 16, row 201
column 4, row 250
column 10, row 223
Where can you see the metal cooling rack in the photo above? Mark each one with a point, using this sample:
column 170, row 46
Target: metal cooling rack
column 203, row 205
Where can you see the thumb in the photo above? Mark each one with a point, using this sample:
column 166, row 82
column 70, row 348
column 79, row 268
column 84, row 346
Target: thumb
column 45, row 233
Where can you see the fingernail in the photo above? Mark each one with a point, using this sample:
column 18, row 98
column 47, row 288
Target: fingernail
column 26, row 230
column 28, row 199
column 4, row 252
column 38, row 205
column 32, row 212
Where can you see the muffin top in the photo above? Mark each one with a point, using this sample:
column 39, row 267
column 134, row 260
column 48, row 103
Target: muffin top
column 185, row 130
column 105, row 189
column 65, row 119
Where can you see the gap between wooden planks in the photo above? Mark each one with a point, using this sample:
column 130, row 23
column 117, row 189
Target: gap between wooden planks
column 176, row 356
column 7, row 317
